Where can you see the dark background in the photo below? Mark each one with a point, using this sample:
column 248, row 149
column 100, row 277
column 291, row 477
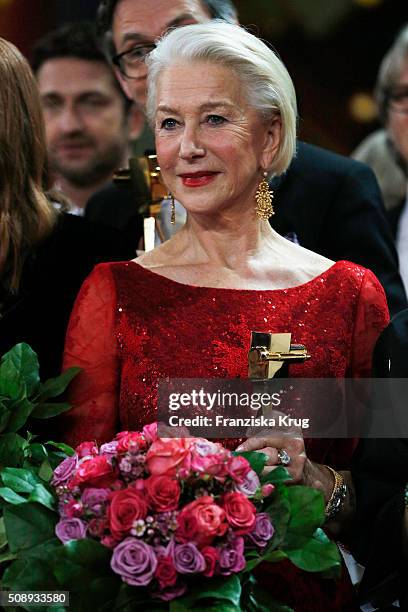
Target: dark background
column 332, row 49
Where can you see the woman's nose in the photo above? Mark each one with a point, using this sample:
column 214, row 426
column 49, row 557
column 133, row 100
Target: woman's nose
column 191, row 145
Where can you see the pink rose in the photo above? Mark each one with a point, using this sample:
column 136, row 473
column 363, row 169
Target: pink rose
column 211, row 556
column 150, row 432
column 163, row 493
column 130, row 441
column 240, row 512
column 168, row 455
column 267, row 489
column 209, row 458
column 201, row 521
column 86, row 449
column 238, row 467
column 94, row 472
column 126, row 507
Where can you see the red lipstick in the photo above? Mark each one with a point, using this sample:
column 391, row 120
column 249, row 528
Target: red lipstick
column 197, row 179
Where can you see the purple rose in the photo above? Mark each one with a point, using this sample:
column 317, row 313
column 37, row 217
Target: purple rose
column 94, row 499
column 188, row 559
column 70, row 529
column 109, row 448
column 134, row 561
column 250, row 485
column 263, row 530
column 232, row 560
column 64, row 471
column 170, row 592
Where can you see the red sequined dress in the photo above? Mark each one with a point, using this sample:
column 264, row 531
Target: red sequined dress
column 131, row 327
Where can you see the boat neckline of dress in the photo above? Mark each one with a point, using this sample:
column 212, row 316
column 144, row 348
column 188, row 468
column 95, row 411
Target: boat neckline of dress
column 170, row 280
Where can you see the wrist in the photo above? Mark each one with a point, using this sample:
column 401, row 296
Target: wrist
column 338, row 494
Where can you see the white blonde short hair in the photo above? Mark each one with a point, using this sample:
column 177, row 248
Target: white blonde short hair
column 268, row 86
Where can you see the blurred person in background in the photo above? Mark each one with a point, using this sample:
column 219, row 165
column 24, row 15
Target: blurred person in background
column 88, row 119
column 45, row 254
column 390, row 145
column 379, row 538
column 328, row 203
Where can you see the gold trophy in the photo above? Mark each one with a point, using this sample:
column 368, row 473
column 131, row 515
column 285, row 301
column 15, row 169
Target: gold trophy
column 144, row 178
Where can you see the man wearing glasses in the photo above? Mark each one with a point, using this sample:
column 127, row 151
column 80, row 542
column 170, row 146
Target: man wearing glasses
column 392, row 98
column 326, row 202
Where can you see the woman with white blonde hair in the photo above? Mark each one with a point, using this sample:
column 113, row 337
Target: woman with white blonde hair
column 223, row 108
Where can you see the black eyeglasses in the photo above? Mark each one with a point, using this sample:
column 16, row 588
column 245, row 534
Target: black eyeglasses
column 131, row 63
column 398, row 99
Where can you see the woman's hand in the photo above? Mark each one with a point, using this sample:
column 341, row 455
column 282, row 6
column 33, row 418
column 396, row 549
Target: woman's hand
column 302, row 470
column 270, row 445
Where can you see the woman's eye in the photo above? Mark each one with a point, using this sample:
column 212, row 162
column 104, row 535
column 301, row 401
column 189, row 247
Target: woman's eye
column 215, row 119
column 168, row 124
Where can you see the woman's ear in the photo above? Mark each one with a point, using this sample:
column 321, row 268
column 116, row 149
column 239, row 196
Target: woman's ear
column 272, row 140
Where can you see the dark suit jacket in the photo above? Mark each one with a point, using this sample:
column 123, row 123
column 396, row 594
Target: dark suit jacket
column 393, row 216
column 332, row 203
column 52, row 277
column 334, row 206
column 380, row 473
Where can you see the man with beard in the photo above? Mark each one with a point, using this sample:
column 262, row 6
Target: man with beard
column 89, row 121
column 328, row 203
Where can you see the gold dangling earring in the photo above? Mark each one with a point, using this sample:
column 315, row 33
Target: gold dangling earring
column 170, row 196
column 263, row 197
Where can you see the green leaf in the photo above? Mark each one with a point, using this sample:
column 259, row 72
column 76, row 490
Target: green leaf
column 317, row 555
column 13, row 449
column 7, row 556
column 47, row 411
column 279, row 510
column 19, row 372
column 78, row 562
column 3, row 535
column 11, row 497
column 4, row 416
column 28, row 525
column 56, row 386
column 277, row 476
column 275, row 556
column 20, row 480
column 45, row 472
column 307, row 514
column 38, row 452
column 256, row 598
column 226, row 590
column 256, row 460
column 20, row 412
column 43, row 497
column 33, row 570
column 62, row 447
column 131, row 599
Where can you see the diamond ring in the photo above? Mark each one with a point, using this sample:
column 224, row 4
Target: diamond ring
column 283, row 457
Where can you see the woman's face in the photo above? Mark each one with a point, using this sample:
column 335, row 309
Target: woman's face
column 212, row 146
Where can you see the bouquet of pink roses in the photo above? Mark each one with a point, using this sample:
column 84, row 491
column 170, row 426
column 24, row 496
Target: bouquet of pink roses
column 170, row 509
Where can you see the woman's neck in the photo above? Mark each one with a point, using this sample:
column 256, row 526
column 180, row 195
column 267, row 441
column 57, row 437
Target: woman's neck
column 223, row 241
